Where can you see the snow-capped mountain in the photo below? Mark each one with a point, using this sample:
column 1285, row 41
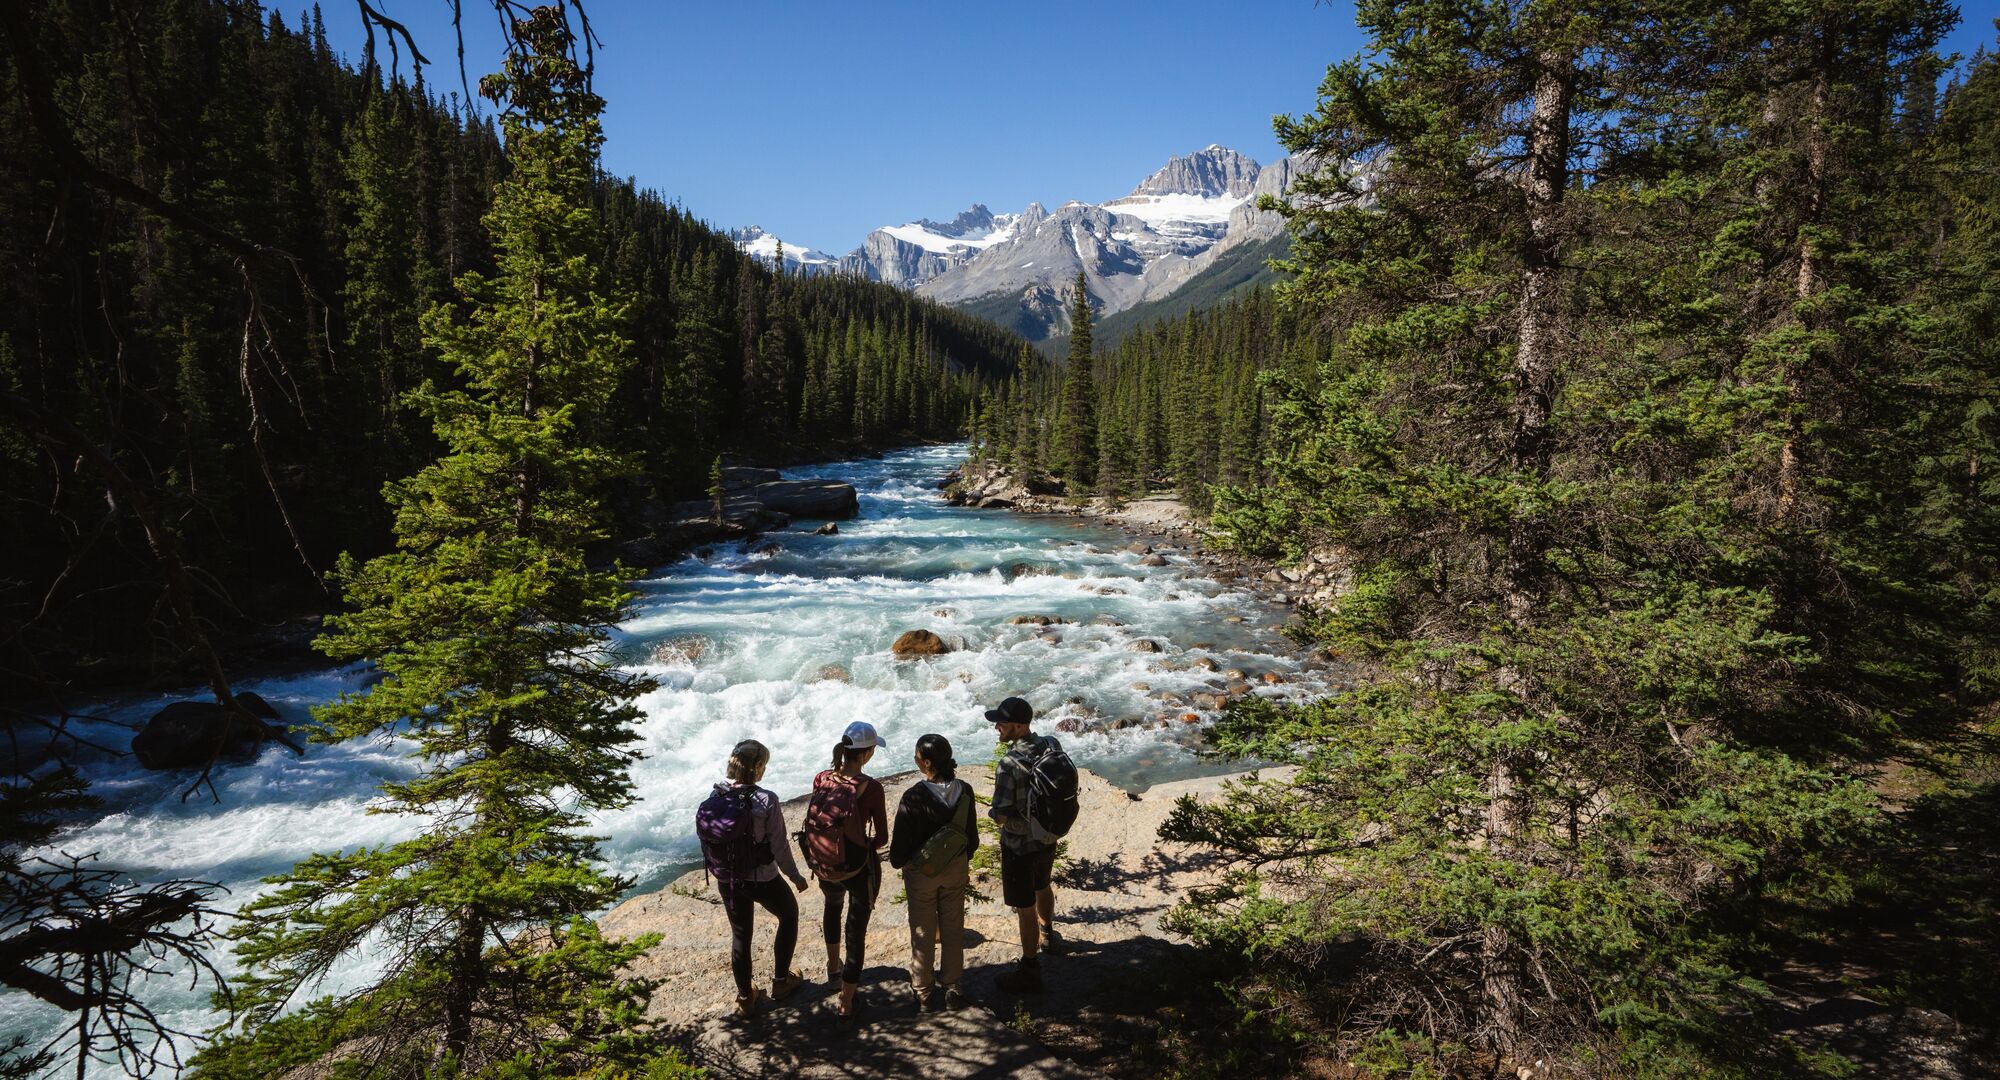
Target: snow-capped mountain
column 764, row 247
column 912, row 254
column 1021, row 268
column 1140, row 247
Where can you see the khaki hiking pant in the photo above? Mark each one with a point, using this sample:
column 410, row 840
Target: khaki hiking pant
column 937, row 917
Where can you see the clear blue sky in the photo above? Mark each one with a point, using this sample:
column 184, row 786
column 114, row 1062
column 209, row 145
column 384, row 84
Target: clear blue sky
column 823, row 120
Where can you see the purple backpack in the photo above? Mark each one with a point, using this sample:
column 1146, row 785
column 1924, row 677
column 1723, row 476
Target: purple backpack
column 726, row 824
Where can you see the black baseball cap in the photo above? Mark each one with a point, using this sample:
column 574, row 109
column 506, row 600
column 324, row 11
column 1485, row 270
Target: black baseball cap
column 1011, row 711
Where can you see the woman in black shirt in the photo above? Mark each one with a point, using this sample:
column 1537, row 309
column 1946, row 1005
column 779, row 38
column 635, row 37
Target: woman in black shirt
column 935, row 835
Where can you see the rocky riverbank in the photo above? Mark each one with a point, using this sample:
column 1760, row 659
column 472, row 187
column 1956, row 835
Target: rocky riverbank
column 1117, row 971
column 1165, row 527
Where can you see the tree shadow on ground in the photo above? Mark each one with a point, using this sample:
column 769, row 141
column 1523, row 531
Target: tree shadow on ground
column 1114, row 987
column 1900, row 976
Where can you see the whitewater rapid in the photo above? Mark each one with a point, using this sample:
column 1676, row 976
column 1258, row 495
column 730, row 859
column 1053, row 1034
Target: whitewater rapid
column 786, row 640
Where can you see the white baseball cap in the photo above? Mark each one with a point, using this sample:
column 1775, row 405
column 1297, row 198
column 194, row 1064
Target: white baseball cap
column 860, row 735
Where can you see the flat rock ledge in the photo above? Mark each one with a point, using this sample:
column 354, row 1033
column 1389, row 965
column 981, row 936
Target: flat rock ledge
column 1116, row 884
column 755, row 501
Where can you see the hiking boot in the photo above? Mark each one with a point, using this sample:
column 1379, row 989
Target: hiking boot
column 1053, row 942
column 953, row 1000
column 927, row 1000
column 746, row 1007
column 1026, row 978
column 782, row 988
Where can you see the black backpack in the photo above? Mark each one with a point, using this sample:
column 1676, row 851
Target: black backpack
column 1052, row 789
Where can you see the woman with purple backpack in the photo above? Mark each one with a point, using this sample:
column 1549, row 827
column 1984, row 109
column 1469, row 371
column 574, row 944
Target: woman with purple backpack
column 847, row 824
column 742, row 831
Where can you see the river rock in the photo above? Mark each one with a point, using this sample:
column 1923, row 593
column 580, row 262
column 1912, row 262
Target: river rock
column 1272, row 678
column 685, row 649
column 828, row 529
column 915, row 643
column 184, row 734
column 808, row 498
column 1234, row 674
column 1206, row 663
column 833, row 673
column 1145, row 645
column 1139, row 548
column 1153, row 560
column 994, row 502
column 1205, row 700
column 1037, row 620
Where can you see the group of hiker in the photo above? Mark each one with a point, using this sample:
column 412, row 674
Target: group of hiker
column 746, row 849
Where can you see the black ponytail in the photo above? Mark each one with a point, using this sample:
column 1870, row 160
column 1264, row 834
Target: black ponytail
column 936, row 752
column 840, row 752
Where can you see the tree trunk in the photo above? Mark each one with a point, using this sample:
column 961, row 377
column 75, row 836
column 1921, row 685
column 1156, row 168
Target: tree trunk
column 461, row 993
column 1808, row 277
column 1535, row 360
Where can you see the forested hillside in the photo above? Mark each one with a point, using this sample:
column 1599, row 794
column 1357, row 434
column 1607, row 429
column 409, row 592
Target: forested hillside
column 1177, row 404
column 1642, row 394
column 220, row 241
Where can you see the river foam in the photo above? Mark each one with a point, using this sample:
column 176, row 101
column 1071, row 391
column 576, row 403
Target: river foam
column 785, row 640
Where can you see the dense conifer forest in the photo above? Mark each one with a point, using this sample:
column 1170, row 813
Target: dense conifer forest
column 245, row 365
column 1637, row 370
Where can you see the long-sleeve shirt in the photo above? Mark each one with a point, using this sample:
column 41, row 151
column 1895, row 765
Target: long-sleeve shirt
column 923, row 811
column 768, row 826
column 1019, row 831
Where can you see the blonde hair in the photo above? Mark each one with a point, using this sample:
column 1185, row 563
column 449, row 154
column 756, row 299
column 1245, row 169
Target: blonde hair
column 744, row 761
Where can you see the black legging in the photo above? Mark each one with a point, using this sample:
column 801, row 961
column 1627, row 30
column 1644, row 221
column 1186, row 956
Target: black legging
column 776, row 898
column 863, row 887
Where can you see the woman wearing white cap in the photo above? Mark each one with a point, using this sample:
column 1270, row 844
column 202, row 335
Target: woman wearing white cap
column 847, row 824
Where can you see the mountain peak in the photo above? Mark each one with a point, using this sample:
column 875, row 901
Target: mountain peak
column 1211, row 172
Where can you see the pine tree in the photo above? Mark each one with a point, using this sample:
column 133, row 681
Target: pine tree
column 490, row 632
column 1076, row 433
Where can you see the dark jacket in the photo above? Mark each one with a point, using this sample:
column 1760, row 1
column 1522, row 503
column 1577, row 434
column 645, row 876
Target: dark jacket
column 921, row 814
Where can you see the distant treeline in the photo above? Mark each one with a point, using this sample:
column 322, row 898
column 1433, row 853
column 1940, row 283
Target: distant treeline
column 1174, row 405
column 223, row 314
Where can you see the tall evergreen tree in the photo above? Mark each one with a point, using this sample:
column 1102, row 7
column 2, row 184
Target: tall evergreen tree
column 1076, row 431
column 490, row 632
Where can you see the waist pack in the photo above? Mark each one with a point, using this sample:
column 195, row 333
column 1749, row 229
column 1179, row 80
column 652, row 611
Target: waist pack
column 950, row 840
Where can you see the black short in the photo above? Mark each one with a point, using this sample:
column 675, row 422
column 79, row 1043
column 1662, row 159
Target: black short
column 1025, row 873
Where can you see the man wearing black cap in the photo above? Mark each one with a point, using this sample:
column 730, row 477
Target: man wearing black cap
column 1027, row 851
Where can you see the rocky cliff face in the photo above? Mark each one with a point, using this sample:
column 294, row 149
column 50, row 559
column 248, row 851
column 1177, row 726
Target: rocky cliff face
column 1215, row 171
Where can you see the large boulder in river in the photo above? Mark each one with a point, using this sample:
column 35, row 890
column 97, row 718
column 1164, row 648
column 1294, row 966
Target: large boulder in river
column 915, row 643
column 808, row 498
column 186, row 734
column 745, row 476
